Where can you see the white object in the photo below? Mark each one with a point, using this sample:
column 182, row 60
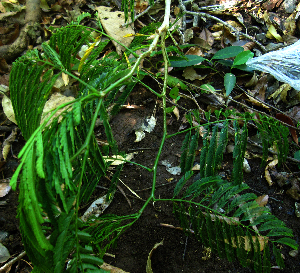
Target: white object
column 283, row 64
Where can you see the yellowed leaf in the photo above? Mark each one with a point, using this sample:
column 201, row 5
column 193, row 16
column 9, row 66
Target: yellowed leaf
column 272, row 33
column 118, row 159
column 112, row 269
column 247, row 243
column 284, row 88
column 267, row 173
column 65, row 78
column 176, row 113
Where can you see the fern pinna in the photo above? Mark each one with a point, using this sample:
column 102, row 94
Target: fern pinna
column 223, row 218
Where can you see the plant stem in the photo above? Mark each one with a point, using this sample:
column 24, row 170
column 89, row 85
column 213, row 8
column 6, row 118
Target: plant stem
column 90, row 133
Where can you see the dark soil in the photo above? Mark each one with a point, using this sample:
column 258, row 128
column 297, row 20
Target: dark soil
column 179, row 253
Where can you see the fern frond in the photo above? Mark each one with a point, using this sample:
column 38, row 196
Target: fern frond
column 273, row 132
column 240, row 141
column 28, row 93
column 211, row 152
column 68, row 42
column 232, row 237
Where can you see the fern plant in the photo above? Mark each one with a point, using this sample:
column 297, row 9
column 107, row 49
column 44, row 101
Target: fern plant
column 61, row 163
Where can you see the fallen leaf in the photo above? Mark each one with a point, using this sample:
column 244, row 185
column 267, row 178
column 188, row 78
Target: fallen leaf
column 288, row 121
column 7, row 143
column 252, row 100
column 262, row 200
column 260, row 88
column 207, row 36
column 149, row 267
column 8, row 109
column 176, row 113
column 56, row 100
column 112, row 22
column 189, row 73
column 4, row 254
column 96, row 208
column 118, row 159
column 267, row 173
column 65, row 78
column 112, row 269
column 4, row 188
column 253, row 81
column 147, row 126
column 282, row 91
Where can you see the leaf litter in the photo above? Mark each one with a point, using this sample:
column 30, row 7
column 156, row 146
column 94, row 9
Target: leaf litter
column 274, row 30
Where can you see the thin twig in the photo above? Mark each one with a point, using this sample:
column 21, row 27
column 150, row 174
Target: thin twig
column 138, row 16
column 11, row 262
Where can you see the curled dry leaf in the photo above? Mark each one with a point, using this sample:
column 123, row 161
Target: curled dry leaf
column 253, row 81
column 7, row 143
column 249, row 46
column 149, row 267
column 267, row 173
column 282, row 91
column 176, row 113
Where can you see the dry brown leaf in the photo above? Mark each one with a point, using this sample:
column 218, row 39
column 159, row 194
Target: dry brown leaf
column 189, row 73
column 207, row 36
column 230, row 221
column 267, row 173
column 259, row 90
column 249, row 46
column 262, row 200
column 253, row 81
column 118, row 159
column 282, row 91
column 194, row 51
column 252, row 100
column 55, row 100
column 112, row 22
column 8, row 109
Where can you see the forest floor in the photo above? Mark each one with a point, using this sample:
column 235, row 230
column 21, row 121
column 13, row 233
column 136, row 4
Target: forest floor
column 180, row 252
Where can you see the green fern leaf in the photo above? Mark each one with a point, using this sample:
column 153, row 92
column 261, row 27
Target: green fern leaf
column 182, row 182
column 40, row 155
